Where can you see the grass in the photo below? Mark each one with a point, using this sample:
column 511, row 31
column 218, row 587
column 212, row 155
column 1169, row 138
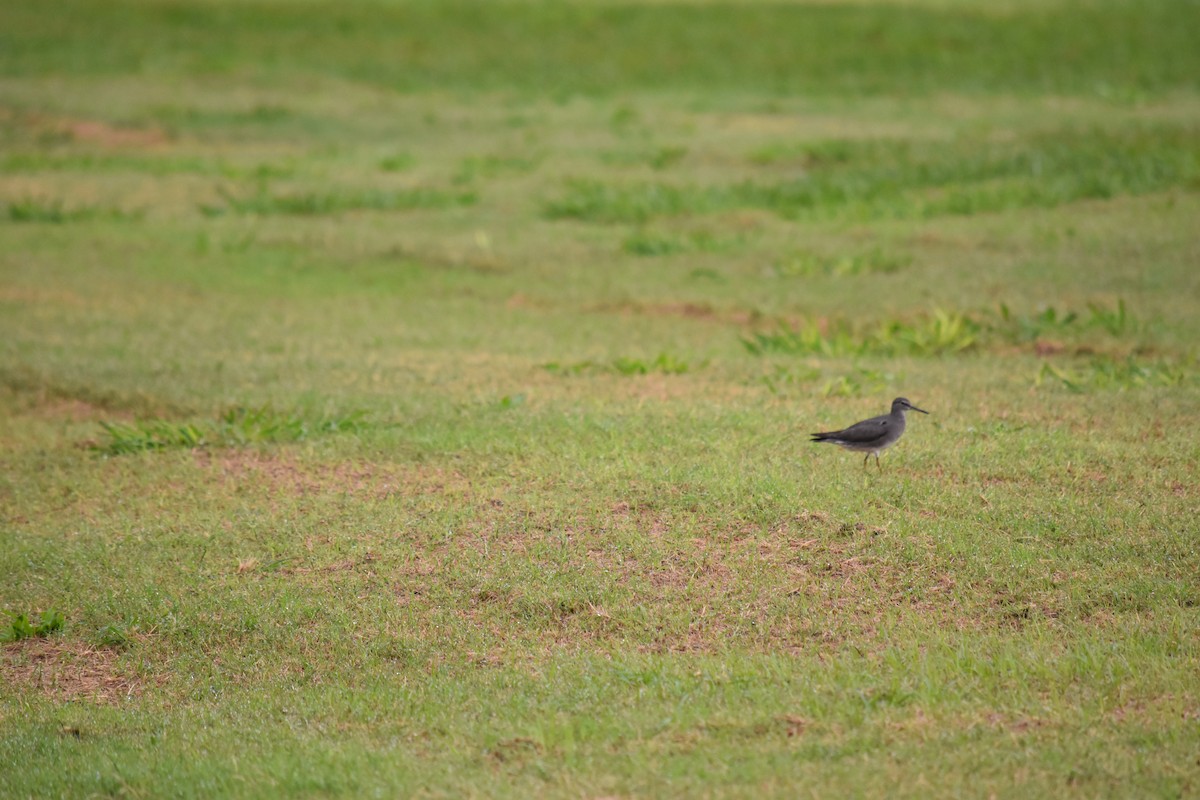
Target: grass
column 234, row 427
column 942, row 332
column 664, row 363
column 939, row 333
column 29, row 210
column 653, row 243
column 1112, row 374
column 898, row 180
column 1101, row 47
column 435, row 426
column 808, row 264
column 307, row 204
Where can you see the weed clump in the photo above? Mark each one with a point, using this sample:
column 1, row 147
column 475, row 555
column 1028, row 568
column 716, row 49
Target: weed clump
column 940, row 333
column 22, row 627
column 1107, row 373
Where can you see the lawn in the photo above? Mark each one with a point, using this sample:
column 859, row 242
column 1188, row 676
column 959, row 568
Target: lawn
column 410, row 399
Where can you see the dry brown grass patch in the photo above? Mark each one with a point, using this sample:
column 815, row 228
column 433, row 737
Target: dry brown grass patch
column 281, row 473
column 88, row 131
column 73, row 410
column 106, row 135
column 63, row 669
column 700, row 312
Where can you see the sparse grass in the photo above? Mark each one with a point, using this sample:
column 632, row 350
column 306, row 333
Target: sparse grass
column 808, row 264
column 510, row 497
column 312, row 203
column 664, row 363
column 1118, row 322
column 485, row 167
column 398, row 162
column 1105, row 373
column 653, row 243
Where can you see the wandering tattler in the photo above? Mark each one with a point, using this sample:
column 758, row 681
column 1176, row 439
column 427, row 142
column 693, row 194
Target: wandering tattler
column 872, row 436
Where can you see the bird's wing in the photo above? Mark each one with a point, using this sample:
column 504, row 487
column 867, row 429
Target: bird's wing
column 862, row 432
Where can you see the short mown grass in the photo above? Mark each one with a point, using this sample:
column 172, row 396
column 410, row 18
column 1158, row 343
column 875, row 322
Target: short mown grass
column 411, row 399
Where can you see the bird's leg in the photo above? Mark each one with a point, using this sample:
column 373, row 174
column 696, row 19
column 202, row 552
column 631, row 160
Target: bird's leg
column 878, row 464
column 866, row 458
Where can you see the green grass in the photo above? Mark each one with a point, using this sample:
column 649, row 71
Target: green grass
column 235, row 427
column 942, row 332
column 1100, row 46
column 933, row 179
column 411, row 398
column 28, row 210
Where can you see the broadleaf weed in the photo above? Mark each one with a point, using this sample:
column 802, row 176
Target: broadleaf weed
column 22, row 627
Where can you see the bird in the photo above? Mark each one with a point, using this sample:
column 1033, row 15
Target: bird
column 872, row 436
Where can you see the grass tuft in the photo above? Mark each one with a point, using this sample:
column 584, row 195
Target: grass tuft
column 836, row 339
column 1111, row 374
column 125, row 438
column 939, row 333
column 397, row 162
column 598, row 201
column 113, row 635
column 942, row 332
column 54, row 212
column 1117, row 321
column 650, row 243
column 872, row 262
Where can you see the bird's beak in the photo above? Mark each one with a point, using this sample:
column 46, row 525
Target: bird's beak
column 914, row 408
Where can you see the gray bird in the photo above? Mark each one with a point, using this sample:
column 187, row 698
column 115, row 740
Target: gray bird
column 872, row 436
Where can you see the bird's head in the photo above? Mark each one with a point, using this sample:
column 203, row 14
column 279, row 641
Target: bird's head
column 902, row 404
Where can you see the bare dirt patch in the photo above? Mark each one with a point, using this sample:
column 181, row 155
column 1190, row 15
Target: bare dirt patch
column 1015, row 724
column 90, row 131
column 62, row 669
column 71, row 409
column 701, row 312
column 31, row 296
column 96, row 132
